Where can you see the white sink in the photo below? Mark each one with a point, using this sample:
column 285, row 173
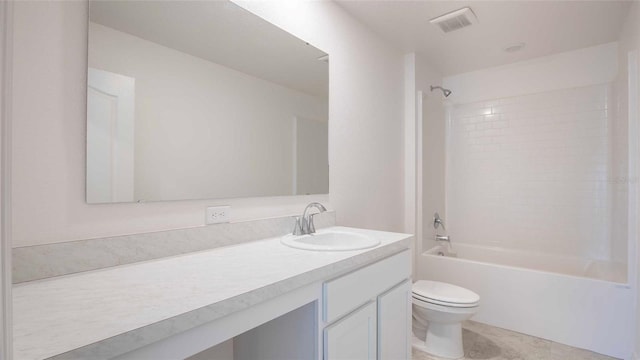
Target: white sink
column 330, row 240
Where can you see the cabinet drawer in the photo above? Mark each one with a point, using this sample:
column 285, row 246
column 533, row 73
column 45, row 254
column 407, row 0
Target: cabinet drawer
column 349, row 292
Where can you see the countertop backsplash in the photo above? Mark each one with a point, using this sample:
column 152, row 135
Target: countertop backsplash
column 44, row 261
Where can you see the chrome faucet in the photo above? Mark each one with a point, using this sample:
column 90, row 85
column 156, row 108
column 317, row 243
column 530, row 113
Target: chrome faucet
column 437, row 222
column 304, row 225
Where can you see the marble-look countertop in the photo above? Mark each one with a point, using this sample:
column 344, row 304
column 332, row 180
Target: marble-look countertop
column 105, row 313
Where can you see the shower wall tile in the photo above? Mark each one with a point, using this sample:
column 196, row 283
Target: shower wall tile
column 533, row 172
column 45, row 261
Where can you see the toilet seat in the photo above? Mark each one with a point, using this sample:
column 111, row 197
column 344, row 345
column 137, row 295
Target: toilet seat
column 420, row 300
column 444, row 294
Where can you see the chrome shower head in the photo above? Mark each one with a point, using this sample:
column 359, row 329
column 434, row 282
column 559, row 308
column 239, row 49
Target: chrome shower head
column 446, row 92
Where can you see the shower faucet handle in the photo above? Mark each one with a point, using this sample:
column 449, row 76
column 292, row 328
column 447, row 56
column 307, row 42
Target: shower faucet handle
column 437, row 222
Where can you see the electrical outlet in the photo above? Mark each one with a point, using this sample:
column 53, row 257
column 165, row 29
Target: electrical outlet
column 218, row 214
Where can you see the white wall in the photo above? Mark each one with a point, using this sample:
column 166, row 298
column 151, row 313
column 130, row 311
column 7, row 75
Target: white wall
column 222, row 351
column 365, row 130
column 433, row 150
column 6, row 300
column 630, row 41
column 583, row 67
column 199, row 107
column 410, row 151
column 529, row 155
column 424, row 150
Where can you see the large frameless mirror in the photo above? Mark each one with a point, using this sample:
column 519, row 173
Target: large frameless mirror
column 201, row 100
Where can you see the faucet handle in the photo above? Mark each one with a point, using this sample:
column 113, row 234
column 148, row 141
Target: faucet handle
column 297, row 228
column 311, row 226
column 437, row 221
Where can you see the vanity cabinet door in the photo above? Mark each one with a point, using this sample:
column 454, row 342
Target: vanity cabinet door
column 353, row 337
column 394, row 323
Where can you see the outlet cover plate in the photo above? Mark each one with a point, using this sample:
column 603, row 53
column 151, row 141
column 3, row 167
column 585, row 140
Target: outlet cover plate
column 218, row 214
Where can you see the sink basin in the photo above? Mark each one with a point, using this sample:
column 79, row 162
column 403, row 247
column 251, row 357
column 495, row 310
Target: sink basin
column 330, row 240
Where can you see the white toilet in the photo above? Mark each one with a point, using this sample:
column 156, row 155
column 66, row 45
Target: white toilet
column 438, row 312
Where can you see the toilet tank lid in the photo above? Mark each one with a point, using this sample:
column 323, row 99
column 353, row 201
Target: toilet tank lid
column 444, row 292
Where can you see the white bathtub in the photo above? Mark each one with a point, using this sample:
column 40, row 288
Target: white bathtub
column 577, row 302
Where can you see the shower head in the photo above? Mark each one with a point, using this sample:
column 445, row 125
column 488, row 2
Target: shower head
column 446, row 92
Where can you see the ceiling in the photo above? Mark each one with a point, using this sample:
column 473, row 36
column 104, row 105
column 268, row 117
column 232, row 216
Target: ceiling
column 546, row 27
column 224, row 33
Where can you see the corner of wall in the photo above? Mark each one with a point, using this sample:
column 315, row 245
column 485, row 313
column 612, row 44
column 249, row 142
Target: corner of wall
column 409, row 143
column 6, row 70
column 430, row 130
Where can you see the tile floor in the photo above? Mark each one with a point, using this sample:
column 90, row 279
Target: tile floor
column 491, row 343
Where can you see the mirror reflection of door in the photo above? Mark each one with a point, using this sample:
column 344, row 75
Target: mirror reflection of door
column 311, row 156
column 110, row 130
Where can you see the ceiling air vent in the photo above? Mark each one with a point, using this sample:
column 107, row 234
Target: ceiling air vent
column 455, row 20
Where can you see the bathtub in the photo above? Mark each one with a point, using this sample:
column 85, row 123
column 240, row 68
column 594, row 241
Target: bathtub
column 581, row 303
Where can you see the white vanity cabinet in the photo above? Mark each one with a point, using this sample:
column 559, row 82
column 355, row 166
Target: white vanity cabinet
column 255, row 300
column 367, row 313
column 362, row 315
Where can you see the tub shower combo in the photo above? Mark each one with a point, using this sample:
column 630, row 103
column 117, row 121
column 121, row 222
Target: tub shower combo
column 540, row 217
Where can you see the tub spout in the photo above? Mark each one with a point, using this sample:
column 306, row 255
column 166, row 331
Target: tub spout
column 443, row 238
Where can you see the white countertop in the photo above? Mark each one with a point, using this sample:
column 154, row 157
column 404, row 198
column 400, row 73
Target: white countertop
column 111, row 311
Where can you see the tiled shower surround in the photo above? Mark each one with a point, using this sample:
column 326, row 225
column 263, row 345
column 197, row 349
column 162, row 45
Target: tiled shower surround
column 538, row 173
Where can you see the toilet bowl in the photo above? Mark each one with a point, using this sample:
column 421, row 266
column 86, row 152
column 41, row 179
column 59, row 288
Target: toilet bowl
column 438, row 312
